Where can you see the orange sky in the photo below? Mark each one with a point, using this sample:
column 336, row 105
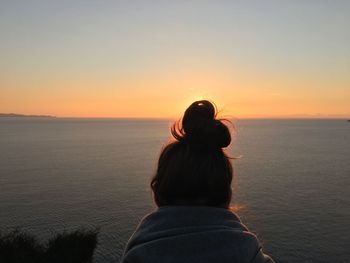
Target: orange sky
column 116, row 60
column 237, row 94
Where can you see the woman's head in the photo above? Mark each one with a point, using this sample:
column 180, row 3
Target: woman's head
column 194, row 169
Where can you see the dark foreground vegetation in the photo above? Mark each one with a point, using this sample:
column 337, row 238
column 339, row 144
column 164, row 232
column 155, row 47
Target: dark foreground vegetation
column 68, row 247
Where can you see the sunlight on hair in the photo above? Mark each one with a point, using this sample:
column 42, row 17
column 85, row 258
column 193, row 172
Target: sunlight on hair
column 236, row 207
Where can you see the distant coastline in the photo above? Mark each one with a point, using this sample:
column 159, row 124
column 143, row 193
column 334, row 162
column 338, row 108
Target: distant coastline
column 288, row 117
column 15, row 115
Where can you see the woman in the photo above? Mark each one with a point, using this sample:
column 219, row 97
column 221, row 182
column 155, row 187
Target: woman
column 192, row 190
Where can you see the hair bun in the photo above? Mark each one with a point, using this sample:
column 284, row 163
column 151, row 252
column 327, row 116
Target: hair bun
column 201, row 128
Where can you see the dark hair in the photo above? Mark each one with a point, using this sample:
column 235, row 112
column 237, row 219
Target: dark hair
column 194, row 169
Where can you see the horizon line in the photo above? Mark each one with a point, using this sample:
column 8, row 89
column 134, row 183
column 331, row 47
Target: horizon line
column 250, row 116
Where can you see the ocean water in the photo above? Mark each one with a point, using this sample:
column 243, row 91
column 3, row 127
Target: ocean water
column 292, row 181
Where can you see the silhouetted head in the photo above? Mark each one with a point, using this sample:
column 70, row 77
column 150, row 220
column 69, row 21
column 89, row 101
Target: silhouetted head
column 194, row 169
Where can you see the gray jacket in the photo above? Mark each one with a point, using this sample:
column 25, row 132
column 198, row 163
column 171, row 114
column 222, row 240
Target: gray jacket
column 193, row 234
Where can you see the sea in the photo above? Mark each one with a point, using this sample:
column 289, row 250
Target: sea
column 291, row 183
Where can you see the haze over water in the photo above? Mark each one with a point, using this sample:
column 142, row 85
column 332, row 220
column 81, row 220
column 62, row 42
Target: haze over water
column 292, row 181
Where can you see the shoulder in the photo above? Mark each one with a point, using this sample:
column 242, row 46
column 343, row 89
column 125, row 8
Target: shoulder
column 252, row 250
column 197, row 228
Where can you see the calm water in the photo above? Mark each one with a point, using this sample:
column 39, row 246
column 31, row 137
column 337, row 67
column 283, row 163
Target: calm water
column 292, row 181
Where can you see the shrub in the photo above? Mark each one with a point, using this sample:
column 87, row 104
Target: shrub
column 73, row 247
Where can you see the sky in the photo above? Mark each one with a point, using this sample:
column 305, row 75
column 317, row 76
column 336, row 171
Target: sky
column 153, row 58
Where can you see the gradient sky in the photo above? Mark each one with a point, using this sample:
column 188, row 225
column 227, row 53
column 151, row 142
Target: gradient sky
column 152, row 58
